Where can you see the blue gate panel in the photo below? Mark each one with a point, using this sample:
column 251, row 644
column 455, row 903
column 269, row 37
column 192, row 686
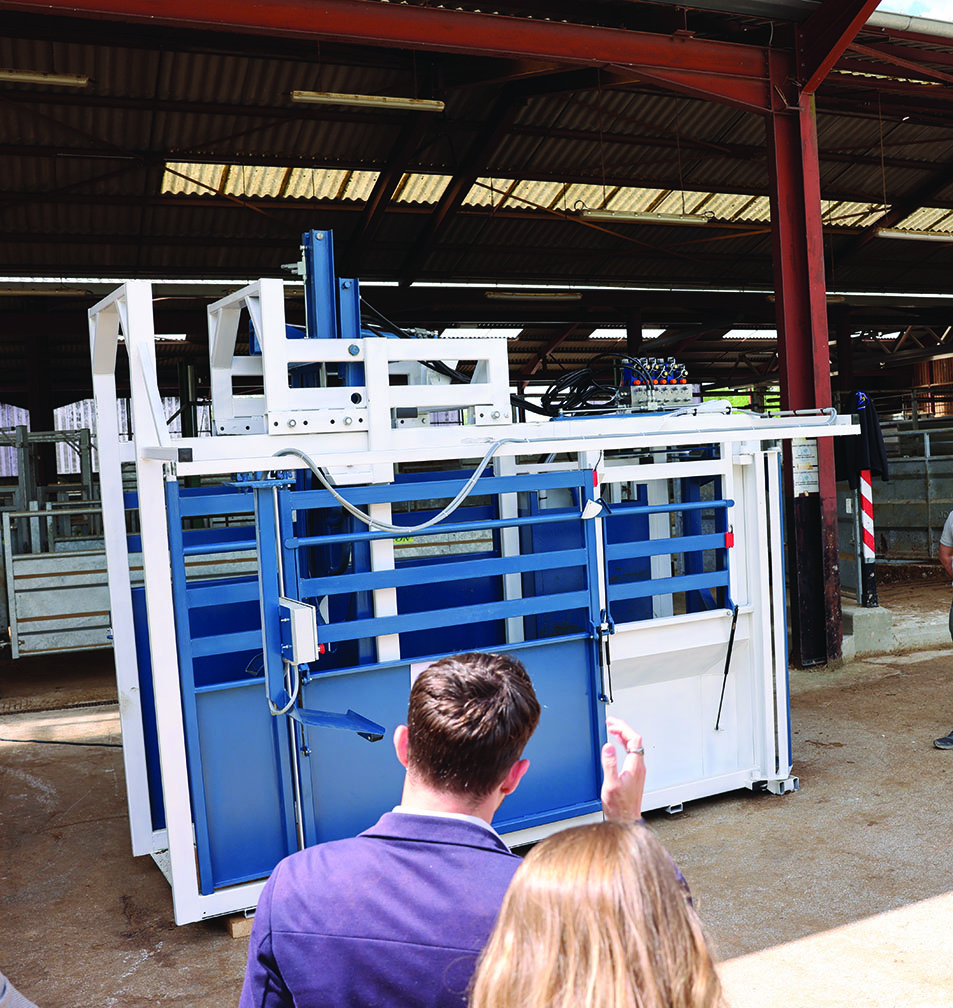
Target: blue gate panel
column 352, row 782
column 564, row 752
column 242, row 775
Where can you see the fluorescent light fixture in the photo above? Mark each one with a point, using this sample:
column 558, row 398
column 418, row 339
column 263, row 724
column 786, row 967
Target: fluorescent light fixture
column 42, row 292
column 470, row 333
column 644, row 216
column 620, row 334
column 40, row 77
column 533, row 295
column 913, row 235
column 374, row 101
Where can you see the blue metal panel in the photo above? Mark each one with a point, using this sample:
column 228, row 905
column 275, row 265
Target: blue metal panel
column 346, row 781
column 564, row 777
column 243, row 785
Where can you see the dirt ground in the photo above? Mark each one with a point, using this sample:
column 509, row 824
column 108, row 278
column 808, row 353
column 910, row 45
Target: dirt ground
column 85, row 923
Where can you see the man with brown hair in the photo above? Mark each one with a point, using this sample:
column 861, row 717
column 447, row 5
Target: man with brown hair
column 398, row 915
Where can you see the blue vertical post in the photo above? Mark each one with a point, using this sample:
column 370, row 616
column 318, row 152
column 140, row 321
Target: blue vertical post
column 270, row 589
column 320, row 285
column 349, row 326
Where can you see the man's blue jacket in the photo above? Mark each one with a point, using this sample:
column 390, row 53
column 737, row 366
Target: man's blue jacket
column 395, row 917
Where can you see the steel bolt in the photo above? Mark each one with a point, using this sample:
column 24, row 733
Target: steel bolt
column 353, row 349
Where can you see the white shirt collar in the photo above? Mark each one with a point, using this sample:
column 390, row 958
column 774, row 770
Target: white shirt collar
column 462, row 816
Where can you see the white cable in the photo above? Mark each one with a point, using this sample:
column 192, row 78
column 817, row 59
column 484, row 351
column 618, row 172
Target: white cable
column 294, row 694
column 402, row 529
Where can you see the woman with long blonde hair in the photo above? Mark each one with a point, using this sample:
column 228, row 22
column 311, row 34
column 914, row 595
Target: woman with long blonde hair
column 596, row 917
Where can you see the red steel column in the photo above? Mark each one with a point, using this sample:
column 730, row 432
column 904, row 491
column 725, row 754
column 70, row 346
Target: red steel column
column 804, row 360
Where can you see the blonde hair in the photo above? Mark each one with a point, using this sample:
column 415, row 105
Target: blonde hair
column 595, row 917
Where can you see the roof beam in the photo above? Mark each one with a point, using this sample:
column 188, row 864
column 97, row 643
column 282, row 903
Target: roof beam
column 722, row 71
column 500, row 117
column 898, row 211
column 397, row 165
column 826, row 34
column 894, row 59
column 537, row 361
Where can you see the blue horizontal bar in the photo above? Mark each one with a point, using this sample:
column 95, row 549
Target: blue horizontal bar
column 441, row 529
column 660, row 547
column 256, row 681
column 244, row 640
column 436, row 573
column 667, row 586
column 623, row 509
column 235, row 546
column 316, row 673
column 438, row 489
column 223, row 503
column 219, row 594
column 408, row 622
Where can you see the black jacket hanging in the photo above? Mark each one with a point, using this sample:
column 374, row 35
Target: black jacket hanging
column 852, row 455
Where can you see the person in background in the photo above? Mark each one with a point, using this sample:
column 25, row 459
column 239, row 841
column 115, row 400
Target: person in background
column 397, row 916
column 597, row 917
column 946, row 562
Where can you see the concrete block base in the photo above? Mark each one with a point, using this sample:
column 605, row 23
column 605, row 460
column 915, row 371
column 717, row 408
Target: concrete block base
column 867, row 631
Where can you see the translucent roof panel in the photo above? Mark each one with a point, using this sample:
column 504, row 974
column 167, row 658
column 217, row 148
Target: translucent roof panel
column 421, row 188
column 840, row 213
column 931, row 219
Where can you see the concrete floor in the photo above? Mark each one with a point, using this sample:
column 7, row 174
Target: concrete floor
column 841, row 894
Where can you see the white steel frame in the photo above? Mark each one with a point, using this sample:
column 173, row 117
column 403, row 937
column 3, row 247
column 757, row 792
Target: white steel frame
column 361, row 453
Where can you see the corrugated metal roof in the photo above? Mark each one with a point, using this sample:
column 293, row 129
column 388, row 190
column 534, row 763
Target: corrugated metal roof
column 88, row 184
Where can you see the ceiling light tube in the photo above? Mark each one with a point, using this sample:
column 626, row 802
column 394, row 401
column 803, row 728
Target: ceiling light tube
column 41, row 77
column 645, row 216
column 374, row 101
column 913, row 235
column 533, row 295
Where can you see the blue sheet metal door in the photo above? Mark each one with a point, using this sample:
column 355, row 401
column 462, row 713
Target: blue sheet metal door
column 270, row 770
column 456, row 588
